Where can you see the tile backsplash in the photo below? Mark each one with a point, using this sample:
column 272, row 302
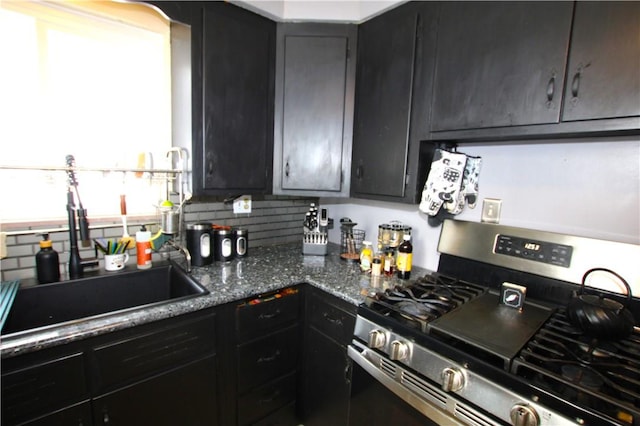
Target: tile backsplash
column 273, row 220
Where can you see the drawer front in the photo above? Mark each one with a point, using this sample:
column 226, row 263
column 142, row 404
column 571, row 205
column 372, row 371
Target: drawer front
column 43, row 388
column 266, row 399
column 139, row 356
column 331, row 320
column 267, row 315
column 268, row 358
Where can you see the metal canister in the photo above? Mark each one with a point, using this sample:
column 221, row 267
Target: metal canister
column 223, row 242
column 200, row 244
column 241, row 238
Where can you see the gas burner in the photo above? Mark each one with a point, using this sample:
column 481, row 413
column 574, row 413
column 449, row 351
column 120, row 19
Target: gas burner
column 423, row 300
column 603, row 375
column 582, row 376
column 413, row 309
column 596, row 349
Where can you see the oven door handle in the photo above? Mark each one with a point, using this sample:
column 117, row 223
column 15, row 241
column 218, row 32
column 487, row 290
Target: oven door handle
column 359, row 355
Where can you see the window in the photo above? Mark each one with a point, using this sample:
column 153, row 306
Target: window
column 90, row 79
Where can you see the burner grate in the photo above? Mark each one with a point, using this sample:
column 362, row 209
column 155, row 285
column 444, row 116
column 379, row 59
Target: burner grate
column 423, row 300
column 602, row 375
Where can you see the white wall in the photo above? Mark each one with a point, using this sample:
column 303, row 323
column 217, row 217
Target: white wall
column 586, row 187
column 354, row 11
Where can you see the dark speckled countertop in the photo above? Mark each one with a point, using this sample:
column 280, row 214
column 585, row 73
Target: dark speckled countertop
column 265, row 269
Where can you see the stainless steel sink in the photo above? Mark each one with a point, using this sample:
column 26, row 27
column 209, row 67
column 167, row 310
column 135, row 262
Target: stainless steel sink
column 93, row 297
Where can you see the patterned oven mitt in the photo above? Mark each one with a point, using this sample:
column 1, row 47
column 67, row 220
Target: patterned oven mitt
column 469, row 190
column 444, row 181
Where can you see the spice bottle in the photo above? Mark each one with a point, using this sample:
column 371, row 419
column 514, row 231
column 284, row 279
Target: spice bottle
column 143, row 248
column 366, row 256
column 47, row 262
column 405, row 258
column 389, row 264
column 376, row 266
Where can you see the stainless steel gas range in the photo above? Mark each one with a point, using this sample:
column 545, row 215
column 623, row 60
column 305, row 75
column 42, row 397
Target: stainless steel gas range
column 486, row 340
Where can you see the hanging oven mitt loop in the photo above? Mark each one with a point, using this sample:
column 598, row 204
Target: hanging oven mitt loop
column 444, row 181
column 469, row 189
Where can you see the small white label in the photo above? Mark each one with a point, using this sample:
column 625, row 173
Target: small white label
column 242, row 204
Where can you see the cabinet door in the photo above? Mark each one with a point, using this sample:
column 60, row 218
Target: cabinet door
column 603, row 79
column 184, row 396
column 384, row 83
column 315, row 77
column 327, row 381
column 236, row 155
column 500, row 64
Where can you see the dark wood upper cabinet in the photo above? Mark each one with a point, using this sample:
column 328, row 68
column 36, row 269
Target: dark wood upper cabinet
column 520, row 70
column 603, row 78
column 500, row 64
column 315, row 78
column 233, row 142
column 393, row 93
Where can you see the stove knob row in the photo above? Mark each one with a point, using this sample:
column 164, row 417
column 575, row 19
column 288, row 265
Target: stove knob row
column 452, row 380
column 399, row 351
column 377, row 339
column 524, row 415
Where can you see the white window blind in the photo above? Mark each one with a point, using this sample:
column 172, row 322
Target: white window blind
column 90, row 79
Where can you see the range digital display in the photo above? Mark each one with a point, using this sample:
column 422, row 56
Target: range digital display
column 538, row 251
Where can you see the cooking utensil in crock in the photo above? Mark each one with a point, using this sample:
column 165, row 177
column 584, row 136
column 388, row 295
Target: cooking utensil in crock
column 598, row 316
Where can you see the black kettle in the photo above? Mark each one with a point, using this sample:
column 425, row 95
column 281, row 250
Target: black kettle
column 598, row 316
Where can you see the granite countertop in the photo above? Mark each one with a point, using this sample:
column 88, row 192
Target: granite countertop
column 265, row 269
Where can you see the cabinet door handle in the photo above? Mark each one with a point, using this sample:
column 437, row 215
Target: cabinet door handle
column 105, row 418
column 334, row 321
column 209, row 161
column 575, row 84
column 286, row 169
column 270, row 358
column 359, row 172
column 269, row 315
column 347, row 371
column 551, row 88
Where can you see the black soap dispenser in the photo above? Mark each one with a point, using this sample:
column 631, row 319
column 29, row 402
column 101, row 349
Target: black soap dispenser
column 47, row 262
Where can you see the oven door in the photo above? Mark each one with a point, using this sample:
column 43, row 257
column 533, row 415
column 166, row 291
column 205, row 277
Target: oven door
column 377, row 398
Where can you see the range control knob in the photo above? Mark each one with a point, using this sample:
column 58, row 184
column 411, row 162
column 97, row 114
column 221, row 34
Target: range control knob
column 524, row 415
column 452, row 380
column 399, row 351
column 377, row 339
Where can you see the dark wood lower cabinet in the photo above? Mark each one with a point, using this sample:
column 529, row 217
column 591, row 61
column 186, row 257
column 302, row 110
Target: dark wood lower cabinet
column 266, row 358
column 256, row 363
column 163, row 373
column 327, row 377
column 327, row 367
column 184, row 396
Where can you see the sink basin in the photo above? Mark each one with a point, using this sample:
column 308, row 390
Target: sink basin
column 96, row 296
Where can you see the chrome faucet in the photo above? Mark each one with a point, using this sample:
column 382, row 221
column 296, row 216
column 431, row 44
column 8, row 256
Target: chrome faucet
column 76, row 263
column 184, row 250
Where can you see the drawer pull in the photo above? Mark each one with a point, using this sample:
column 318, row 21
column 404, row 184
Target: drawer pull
column 272, row 398
column 269, row 315
column 334, row 321
column 269, row 358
